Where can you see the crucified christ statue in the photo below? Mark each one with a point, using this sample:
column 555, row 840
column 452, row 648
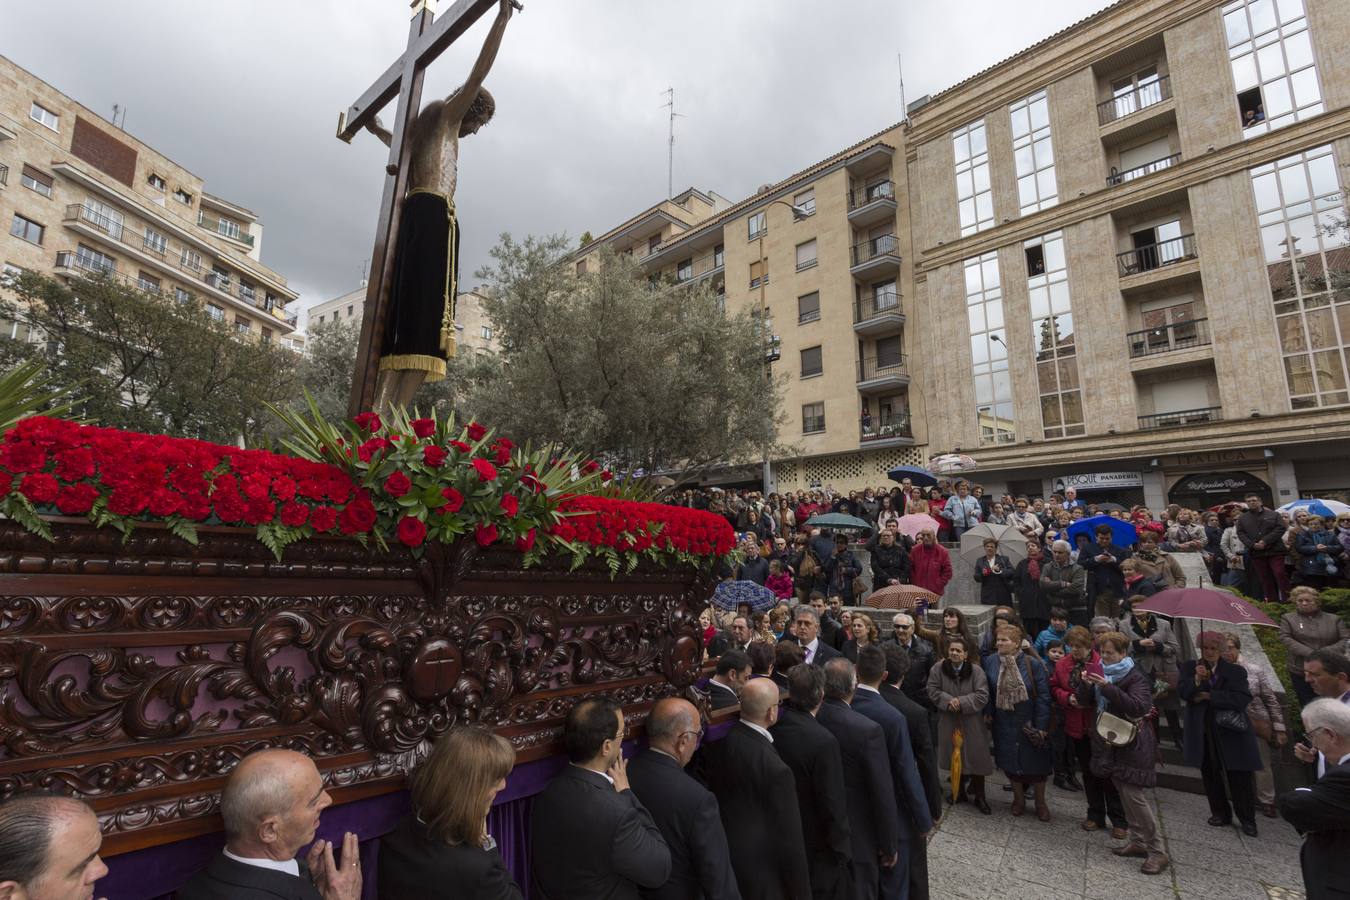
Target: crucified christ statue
column 419, row 330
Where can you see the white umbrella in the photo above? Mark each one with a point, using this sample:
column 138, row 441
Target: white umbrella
column 1011, row 542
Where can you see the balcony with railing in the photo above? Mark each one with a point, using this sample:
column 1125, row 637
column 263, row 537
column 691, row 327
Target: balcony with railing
column 1182, row 417
column 1166, row 338
column 1146, row 94
column 1155, row 256
column 225, row 228
column 876, row 257
column 871, row 205
column 878, row 312
column 1147, row 168
column 700, row 267
column 895, row 427
column 879, row 372
column 4, row 175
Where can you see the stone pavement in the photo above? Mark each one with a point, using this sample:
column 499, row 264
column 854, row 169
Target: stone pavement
column 974, row 857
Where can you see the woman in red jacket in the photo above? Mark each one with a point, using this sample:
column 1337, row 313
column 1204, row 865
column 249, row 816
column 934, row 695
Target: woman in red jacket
column 930, row 563
column 1077, row 701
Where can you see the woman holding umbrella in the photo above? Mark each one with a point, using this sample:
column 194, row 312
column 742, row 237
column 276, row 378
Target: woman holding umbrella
column 1021, row 718
column 959, row 692
column 1219, row 739
column 995, row 574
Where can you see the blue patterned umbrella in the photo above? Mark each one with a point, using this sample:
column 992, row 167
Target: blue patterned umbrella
column 1327, row 509
column 730, row 594
column 1122, row 533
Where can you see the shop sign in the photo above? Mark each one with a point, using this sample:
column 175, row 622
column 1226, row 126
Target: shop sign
column 1210, row 458
column 1099, row 481
column 1221, row 483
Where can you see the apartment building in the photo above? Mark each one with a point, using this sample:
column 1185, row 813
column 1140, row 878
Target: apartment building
column 473, row 329
column 81, row 196
column 1111, row 261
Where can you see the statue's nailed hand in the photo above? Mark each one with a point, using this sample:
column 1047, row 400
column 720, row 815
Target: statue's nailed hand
column 508, row 5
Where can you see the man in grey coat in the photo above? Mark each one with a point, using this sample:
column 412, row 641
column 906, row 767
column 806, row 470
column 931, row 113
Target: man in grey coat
column 1065, row 584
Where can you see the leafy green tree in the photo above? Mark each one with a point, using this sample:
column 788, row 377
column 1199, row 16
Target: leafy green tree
column 639, row 372
column 142, row 362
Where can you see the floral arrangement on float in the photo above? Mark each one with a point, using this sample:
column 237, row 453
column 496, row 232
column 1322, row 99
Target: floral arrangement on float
column 400, row 480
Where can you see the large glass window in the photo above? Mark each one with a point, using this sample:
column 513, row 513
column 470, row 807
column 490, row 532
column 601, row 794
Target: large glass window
column 1273, row 69
column 1301, row 210
column 1033, row 155
column 813, row 417
column 989, row 350
column 1052, row 331
column 975, row 199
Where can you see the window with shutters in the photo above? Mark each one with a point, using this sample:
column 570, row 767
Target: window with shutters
column 806, row 254
column 36, row 181
column 808, row 308
column 811, row 362
column 813, row 418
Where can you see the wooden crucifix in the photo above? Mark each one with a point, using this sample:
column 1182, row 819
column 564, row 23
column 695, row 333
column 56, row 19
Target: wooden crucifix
column 419, row 284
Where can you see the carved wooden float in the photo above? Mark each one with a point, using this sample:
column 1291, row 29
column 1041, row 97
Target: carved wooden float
column 136, row 675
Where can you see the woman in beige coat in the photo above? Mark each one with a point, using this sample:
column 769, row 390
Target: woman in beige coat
column 1154, row 563
column 1267, row 718
column 959, row 691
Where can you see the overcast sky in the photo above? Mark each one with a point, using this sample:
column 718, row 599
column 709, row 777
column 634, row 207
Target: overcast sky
column 246, row 94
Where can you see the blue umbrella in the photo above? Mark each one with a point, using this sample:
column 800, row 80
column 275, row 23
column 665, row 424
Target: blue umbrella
column 1327, row 509
column 1122, row 533
column 728, row 594
column 917, row 475
column 838, row 522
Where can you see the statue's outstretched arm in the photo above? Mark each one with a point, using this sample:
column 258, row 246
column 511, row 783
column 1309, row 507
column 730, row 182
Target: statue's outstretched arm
column 376, row 127
column 458, row 104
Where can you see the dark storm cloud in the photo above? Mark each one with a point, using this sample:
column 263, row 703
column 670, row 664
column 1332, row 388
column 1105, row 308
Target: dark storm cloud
column 246, row 94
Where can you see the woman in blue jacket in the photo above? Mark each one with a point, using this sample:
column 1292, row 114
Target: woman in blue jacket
column 1020, row 692
column 1321, row 558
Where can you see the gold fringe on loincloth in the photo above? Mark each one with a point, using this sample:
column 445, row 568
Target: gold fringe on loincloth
column 434, row 366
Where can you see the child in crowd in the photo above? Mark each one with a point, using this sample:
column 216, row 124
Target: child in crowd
column 1059, row 624
column 1063, row 753
column 779, row 581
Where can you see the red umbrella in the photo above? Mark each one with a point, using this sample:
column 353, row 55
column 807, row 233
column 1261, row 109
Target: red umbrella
column 1203, row 603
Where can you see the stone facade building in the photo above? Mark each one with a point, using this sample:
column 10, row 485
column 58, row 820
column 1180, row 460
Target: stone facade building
column 78, row 195
column 473, row 329
column 1115, row 260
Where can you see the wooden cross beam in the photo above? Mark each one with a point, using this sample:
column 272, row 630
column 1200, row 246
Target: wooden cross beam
column 428, row 37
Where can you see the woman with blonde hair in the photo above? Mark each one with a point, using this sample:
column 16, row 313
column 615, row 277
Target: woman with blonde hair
column 862, row 631
column 442, row 848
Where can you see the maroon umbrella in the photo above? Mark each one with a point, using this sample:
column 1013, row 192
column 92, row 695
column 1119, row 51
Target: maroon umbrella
column 1203, row 603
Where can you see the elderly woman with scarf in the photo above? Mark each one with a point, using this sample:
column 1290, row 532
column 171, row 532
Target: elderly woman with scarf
column 1154, row 649
column 959, row 692
column 1033, row 605
column 1021, row 718
column 1155, row 564
column 1123, row 691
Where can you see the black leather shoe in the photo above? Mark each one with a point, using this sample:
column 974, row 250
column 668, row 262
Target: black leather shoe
column 1249, row 829
column 982, row 806
column 1219, row 822
column 1073, row 784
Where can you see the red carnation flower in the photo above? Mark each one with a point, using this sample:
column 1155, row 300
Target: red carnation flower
column 6, row 483
column 532, row 483
column 434, row 456
column 485, row 535
column 476, row 431
column 504, row 442
column 283, row 487
column 75, row 463
column 397, row 484
column 77, row 499
column 412, row 531
column 259, row 512
column 21, row 456
column 293, row 515
column 164, row 502
column 323, row 518
column 423, row 428
column 589, row 467
column 606, row 475
column 368, row 421
column 357, row 516
column 525, row 541
column 510, row 505
column 486, row 470
column 454, row 500
column 503, row 455
column 461, row 446
column 128, row 500
column 39, row 487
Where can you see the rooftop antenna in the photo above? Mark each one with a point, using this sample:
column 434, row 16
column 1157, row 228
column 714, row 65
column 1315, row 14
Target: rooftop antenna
column 119, row 109
column 904, row 109
column 669, row 94
column 364, row 263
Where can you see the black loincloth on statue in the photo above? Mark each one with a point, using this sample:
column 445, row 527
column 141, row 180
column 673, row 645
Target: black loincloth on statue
column 419, row 328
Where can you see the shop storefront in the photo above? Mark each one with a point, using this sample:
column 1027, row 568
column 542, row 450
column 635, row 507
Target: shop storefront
column 1123, row 488
column 1206, row 489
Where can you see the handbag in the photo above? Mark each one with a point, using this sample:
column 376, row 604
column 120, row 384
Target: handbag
column 1115, row 730
column 1232, row 719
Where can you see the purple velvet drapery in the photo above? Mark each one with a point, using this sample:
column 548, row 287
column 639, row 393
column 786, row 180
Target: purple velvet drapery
column 156, row 872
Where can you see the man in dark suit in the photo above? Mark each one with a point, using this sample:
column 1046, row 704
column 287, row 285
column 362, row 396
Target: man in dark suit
column 1321, row 813
column 831, row 629
column 786, row 654
column 50, row 847
column 271, row 806
column 812, row 753
column 590, row 836
column 868, row 785
column 763, row 822
column 920, row 733
column 806, row 624
column 684, row 810
column 1105, row 581
column 920, row 653
column 733, row 671
column 911, row 799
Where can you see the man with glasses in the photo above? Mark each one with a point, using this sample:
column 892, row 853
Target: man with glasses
column 920, row 654
column 1322, row 813
column 806, row 622
column 1025, row 521
column 685, row 811
column 1327, row 671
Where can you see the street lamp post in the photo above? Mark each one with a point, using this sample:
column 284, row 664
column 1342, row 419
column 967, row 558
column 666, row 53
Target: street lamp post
column 798, row 214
